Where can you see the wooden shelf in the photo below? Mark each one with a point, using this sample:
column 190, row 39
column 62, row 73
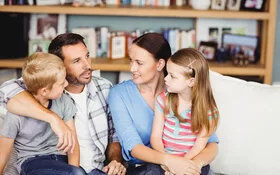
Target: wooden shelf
column 174, row 12
column 123, row 65
column 268, row 18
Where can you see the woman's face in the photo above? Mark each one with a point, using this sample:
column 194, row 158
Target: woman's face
column 143, row 65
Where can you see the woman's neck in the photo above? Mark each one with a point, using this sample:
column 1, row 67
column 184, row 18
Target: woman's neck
column 153, row 87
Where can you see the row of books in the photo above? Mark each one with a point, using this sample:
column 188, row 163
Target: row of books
column 104, row 43
column 153, row 3
column 35, row 2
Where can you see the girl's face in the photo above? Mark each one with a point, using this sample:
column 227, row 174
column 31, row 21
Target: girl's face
column 143, row 66
column 176, row 81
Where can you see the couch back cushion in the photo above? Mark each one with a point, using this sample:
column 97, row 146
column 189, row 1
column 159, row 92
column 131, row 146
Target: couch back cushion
column 248, row 128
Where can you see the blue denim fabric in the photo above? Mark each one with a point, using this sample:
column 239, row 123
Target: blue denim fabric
column 145, row 169
column 153, row 169
column 49, row 165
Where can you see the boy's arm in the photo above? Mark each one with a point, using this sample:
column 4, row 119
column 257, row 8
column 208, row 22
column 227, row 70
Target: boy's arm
column 24, row 104
column 156, row 136
column 74, row 156
column 6, row 146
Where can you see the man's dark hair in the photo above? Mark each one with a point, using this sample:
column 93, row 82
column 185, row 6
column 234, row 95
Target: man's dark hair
column 64, row 39
column 155, row 44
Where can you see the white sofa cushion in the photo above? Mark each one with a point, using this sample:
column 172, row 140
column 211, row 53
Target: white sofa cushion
column 248, row 128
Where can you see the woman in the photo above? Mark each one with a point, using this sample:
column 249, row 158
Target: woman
column 132, row 106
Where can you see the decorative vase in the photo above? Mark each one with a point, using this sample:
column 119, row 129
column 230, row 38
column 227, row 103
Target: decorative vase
column 200, row 4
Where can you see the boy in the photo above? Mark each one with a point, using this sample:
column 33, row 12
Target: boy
column 35, row 142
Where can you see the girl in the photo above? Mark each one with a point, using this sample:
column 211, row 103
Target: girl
column 186, row 115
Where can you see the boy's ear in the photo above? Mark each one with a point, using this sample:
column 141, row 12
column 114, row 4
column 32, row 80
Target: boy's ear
column 191, row 82
column 160, row 65
column 43, row 91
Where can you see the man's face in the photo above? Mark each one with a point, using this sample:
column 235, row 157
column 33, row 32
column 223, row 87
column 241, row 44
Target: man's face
column 77, row 63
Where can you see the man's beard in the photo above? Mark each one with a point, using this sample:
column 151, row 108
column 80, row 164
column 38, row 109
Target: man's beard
column 75, row 81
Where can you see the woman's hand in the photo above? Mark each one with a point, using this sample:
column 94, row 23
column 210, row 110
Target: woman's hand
column 181, row 166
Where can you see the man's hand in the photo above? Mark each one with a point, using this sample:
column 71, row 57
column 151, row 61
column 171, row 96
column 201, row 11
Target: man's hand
column 115, row 168
column 66, row 140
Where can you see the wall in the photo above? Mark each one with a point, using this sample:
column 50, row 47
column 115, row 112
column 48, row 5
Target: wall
column 276, row 64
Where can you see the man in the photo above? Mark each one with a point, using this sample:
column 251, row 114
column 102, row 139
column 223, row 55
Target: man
column 93, row 122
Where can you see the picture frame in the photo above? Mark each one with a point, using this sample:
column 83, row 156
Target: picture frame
column 218, row 4
column 253, row 5
column 118, row 46
column 234, row 26
column 89, row 35
column 247, row 44
column 208, row 49
column 233, row 5
column 46, row 26
column 38, row 45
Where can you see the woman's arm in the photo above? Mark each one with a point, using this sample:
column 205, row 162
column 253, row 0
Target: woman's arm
column 156, row 136
column 74, row 156
column 6, row 146
column 177, row 165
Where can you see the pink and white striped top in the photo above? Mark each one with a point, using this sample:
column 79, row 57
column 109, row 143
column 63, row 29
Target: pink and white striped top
column 177, row 138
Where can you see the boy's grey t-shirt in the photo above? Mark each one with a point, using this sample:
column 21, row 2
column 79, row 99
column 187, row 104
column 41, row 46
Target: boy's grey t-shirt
column 35, row 137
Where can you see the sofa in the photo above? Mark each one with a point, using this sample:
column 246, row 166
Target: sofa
column 249, row 143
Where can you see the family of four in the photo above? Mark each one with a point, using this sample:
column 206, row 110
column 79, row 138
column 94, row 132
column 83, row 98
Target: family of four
column 63, row 120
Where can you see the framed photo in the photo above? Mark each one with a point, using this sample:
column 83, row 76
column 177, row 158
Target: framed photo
column 233, row 4
column 248, row 45
column 208, row 49
column 213, row 29
column 253, row 5
column 38, row 45
column 218, row 4
column 46, row 26
column 89, row 35
column 118, row 47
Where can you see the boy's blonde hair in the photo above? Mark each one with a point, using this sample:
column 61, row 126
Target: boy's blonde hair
column 41, row 70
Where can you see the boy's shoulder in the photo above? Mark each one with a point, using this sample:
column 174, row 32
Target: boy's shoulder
column 65, row 99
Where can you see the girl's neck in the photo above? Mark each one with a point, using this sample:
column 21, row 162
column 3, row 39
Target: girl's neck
column 185, row 100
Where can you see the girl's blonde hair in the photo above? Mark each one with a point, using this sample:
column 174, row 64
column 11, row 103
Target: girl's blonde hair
column 41, row 70
column 203, row 102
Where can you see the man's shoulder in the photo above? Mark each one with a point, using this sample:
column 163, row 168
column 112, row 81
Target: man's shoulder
column 98, row 84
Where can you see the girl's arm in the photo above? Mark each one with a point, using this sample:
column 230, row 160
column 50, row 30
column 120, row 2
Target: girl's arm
column 199, row 145
column 207, row 155
column 73, row 157
column 6, row 146
column 156, row 136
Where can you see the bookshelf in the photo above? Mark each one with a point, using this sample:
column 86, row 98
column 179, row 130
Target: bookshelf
column 263, row 68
